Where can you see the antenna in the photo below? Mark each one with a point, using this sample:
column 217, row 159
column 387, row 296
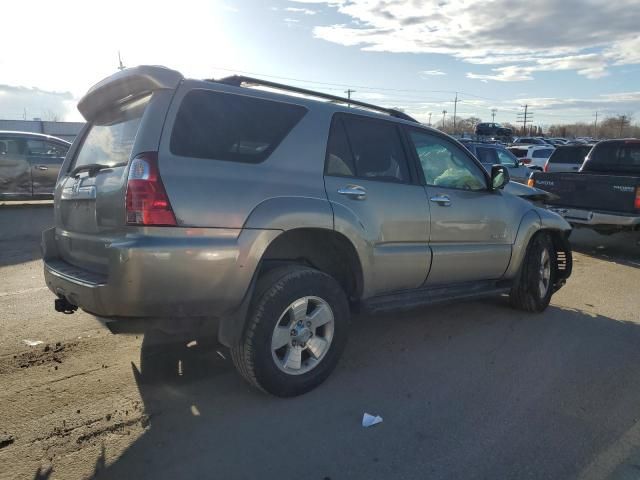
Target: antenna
column 120, row 64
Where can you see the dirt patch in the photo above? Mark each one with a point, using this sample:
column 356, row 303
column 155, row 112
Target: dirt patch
column 42, row 355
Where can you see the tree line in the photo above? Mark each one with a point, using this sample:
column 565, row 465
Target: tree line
column 614, row 126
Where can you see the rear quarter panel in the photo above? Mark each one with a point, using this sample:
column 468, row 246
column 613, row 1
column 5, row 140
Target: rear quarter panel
column 217, row 193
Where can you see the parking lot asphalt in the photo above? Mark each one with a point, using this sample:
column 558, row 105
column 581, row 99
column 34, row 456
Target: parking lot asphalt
column 468, row 390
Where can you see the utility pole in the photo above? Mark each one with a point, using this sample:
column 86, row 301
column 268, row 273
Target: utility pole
column 455, row 108
column 493, row 115
column 120, row 64
column 24, row 113
column 429, row 118
column 595, row 127
column 623, row 121
column 524, row 118
column 349, row 92
column 444, row 114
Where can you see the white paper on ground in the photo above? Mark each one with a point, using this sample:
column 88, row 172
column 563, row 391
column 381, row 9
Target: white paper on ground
column 370, row 420
column 33, row 343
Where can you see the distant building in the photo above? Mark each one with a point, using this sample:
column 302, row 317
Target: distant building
column 65, row 130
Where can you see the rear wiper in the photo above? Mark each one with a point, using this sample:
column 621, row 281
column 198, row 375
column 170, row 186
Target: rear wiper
column 92, row 168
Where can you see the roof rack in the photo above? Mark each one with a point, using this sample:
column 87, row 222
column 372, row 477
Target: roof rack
column 238, row 80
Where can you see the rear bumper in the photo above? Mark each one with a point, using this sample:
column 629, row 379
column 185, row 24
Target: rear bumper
column 175, row 275
column 595, row 218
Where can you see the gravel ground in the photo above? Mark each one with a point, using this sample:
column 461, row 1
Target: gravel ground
column 471, row 390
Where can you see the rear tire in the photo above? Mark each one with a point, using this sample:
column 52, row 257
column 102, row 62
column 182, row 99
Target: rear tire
column 288, row 304
column 534, row 285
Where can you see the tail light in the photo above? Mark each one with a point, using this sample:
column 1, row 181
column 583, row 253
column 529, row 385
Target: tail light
column 636, row 204
column 546, row 167
column 147, row 200
column 526, row 161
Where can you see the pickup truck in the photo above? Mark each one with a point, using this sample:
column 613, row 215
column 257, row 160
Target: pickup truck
column 604, row 194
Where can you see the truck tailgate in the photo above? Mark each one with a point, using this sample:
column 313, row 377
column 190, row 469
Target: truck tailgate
column 609, row 193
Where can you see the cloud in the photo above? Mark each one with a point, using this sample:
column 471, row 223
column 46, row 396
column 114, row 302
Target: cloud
column 509, row 35
column 15, row 102
column 305, row 11
column 432, row 73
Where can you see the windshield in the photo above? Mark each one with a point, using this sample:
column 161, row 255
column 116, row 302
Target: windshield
column 110, row 139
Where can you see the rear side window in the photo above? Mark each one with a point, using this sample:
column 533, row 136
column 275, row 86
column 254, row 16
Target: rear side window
column 518, row 152
column 110, row 138
column 615, row 157
column 231, row 127
column 543, row 153
column 571, row 155
column 487, row 155
column 366, row 148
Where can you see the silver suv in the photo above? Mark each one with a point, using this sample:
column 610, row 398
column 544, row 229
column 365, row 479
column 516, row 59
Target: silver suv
column 271, row 217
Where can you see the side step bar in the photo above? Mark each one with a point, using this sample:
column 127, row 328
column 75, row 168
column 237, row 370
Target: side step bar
column 410, row 299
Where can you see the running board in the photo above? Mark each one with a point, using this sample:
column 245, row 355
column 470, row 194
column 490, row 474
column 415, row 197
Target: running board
column 410, row 299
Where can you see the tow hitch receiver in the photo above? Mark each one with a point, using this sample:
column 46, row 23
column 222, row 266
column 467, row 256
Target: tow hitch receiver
column 63, row 305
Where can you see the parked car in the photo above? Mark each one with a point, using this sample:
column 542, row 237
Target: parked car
column 604, row 194
column 492, row 154
column 493, row 130
column 567, row 158
column 528, row 141
column 558, row 141
column 29, row 164
column 534, row 156
column 185, row 201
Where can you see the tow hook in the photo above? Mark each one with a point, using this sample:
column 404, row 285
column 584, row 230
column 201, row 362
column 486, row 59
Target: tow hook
column 63, row 305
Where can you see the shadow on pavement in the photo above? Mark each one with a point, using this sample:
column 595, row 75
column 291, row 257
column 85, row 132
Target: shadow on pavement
column 466, row 391
column 21, row 226
column 620, row 247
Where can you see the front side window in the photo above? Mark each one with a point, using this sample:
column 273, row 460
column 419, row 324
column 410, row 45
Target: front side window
column 366, row 148
column 237, row 128
column 506, row 158
column 487, row 155
column 445, row 164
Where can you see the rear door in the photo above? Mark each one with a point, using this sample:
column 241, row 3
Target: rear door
column 45, row 159
column 15, row 171
column 472, row 228
column 370, row 185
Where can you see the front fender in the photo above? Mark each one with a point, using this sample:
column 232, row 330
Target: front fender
column 532, row 222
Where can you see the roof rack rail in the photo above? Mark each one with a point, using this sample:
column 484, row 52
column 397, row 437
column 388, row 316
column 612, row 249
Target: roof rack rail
column 238, row 80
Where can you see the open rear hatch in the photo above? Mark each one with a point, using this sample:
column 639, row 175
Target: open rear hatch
column 125, row 114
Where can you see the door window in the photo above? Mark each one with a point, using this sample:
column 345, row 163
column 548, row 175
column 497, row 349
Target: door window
column 507, row 159
column 12, row 147
column 445, row 164
column 487, row 155
column 366, row 148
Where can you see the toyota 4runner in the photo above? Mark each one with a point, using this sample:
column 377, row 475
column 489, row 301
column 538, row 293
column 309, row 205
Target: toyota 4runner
column 274, row 216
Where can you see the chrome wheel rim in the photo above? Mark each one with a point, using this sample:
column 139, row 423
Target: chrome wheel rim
column 303, row 335
column 545, row 273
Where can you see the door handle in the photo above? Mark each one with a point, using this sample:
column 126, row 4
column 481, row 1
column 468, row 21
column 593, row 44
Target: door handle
column 353, row 191
column 42, row 167
column 442, row 200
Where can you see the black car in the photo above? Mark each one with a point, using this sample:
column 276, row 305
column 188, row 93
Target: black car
column 29, row 164
column 493, row 130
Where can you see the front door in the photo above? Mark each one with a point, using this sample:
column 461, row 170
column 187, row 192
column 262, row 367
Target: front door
column 15, row 171
column 377, row 203
column 472, row 228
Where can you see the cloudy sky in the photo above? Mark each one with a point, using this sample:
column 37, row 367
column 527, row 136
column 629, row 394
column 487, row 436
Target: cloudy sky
column 566, row 59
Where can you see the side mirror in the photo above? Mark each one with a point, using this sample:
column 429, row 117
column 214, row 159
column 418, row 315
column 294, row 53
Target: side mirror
column 499, row 177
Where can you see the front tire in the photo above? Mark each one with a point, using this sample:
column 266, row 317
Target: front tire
column 534, row 286
column 296, row 331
